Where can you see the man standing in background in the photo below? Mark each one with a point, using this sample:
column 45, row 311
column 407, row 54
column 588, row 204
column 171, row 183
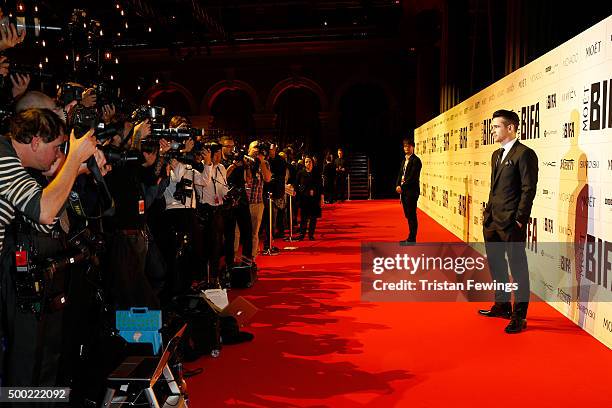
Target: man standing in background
column 408, row 187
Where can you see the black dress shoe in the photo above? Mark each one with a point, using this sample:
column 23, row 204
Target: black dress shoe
column 516, row 325
column 406, row 242
column 496, row 311
column 311, row 237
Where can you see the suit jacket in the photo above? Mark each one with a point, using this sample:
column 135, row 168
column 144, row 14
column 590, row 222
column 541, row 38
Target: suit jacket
column 513, row 187
column 411, row 184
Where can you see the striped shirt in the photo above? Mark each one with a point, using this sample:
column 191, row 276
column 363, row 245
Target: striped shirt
column 19, row 192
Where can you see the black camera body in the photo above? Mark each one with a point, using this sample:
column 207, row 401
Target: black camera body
column 115, row 155
column 184, row 189
column 33, row 276
column 155, row 114
column 70, row 92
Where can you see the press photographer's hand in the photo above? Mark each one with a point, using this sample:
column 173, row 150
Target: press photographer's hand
column 89, row 98
column 9, row 37
column 4, row 66
column 81, row 149
column 20, row 84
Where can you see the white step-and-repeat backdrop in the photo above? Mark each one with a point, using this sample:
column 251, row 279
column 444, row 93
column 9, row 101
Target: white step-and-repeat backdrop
column 564, row 101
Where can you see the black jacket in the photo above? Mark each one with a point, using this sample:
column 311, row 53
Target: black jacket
column 411, row 184
column 513, row 187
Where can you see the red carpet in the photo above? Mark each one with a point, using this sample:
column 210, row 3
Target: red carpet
column 317, row 345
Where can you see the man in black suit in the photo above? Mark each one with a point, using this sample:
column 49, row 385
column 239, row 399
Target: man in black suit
column 408, row 188
column 514, row 177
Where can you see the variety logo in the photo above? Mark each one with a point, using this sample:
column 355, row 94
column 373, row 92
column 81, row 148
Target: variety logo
column 530, row 122
column 549, row 164
column 567, row 164
column 565, row 297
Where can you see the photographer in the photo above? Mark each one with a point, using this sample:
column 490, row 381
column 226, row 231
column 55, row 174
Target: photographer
column 126, row 232
column 238, row 216
column 276, row 187
column 256, row 173
column 31, row 331
column 182, row 239
column 212, row 184
column 310, row 196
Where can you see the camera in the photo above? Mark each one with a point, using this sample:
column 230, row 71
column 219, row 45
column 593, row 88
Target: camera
column 81, row 119
column 154, row 113
column 30, row 24
column 263, row 148
column 184, row 189
column 115, row 155
column 33, row 276
column 69, row 92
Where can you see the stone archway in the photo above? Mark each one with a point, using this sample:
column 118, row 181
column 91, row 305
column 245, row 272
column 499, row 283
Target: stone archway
column 228, row 85
column 171, row 87
column 297, row 82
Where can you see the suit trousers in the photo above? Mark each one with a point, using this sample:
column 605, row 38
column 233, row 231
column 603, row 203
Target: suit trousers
column 510, row 242
column 409, row 204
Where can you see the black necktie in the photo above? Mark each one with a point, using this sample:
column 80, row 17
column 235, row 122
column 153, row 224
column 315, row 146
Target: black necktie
column 499, row 159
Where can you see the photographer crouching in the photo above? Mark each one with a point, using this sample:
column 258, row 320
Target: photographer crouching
column 32, row 320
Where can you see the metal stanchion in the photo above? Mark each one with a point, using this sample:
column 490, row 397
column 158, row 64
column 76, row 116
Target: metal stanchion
column 290, row 237
column 348, row 187
column 270, row 250
column 369, row 186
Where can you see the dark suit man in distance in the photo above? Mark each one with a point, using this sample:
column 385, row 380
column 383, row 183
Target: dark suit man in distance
column 408, row 188
column 514, row 176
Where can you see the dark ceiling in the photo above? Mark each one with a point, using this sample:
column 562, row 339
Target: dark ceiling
column 161, row 23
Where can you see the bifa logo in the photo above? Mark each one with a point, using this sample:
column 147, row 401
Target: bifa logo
column 445, row 198
column 487, row 132
column 530, row 122
column 565, row 264
column 446, row 141
column 568, row 130
column 532, row 235
column 551, row 101
column 462, row 205
column 596, row 109
column 463, row 139
column 548, row 225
